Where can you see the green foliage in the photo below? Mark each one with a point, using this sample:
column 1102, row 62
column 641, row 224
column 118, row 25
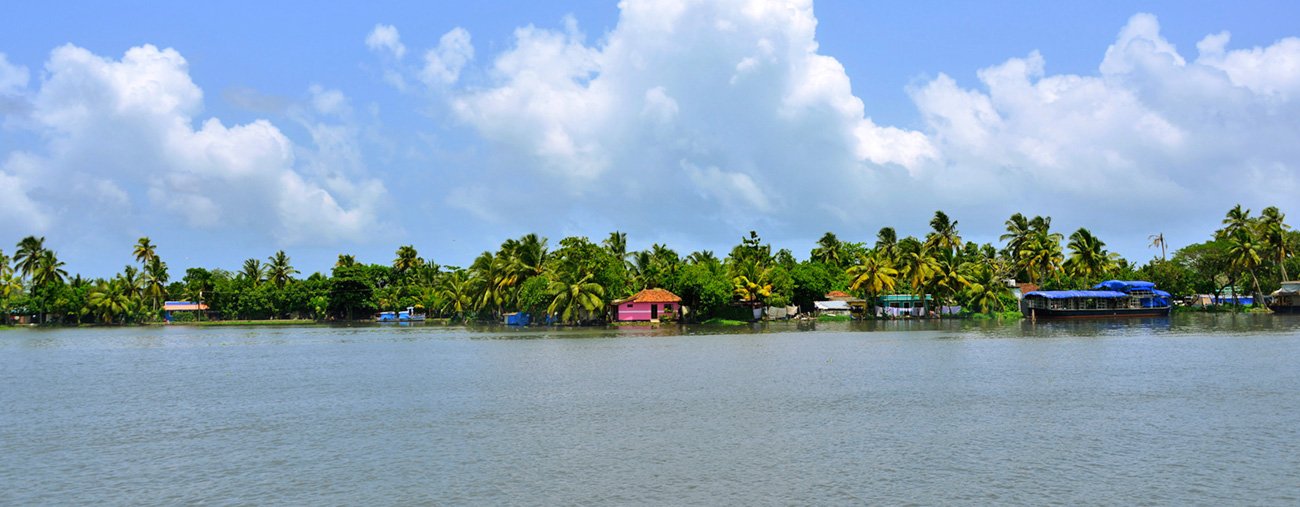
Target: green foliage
column 811, row 281
column 579, row 278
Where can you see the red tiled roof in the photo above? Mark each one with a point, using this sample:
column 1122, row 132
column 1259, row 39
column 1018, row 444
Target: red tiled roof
column 653, row 296
column 837, row 294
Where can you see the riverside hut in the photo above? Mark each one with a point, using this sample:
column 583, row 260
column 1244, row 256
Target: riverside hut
column 650, row 305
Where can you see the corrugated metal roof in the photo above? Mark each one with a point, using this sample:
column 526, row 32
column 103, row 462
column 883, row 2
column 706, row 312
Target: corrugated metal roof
column 180, row 306
column 831, row 305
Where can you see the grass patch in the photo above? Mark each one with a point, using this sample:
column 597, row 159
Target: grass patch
column 834, row 318
column 724, row 322
column 1006, row 315
column 278, row 322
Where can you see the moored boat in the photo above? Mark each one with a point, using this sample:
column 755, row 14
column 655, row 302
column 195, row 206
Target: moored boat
column 1286, row 299
column 1112, row 298
column 407, row 315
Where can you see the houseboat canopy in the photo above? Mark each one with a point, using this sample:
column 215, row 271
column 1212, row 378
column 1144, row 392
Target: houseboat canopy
column 1124, row 285
column 1067, row 294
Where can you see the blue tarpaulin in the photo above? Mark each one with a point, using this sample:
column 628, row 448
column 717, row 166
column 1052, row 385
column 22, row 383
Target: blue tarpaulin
column 1124, row 285
column 1067, row 294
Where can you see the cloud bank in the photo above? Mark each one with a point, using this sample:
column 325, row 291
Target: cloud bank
column 697, row 116
column 121, row 142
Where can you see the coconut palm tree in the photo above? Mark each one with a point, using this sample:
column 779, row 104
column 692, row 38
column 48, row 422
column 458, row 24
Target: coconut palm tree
column 886, row 241
column 616, row 243
column 278, row 269
column 874, row 274
column 705, row 257
column 1088, row 257
column 491, row 271
column 570, row 296
column 1244, row 255
column 155, row 281
column 1018, row 232
column 1236, row 219
column 346, row 261
column 131, row 284
column 944, row 235
column 1272, row 232
column 456, row 292
column 528, row 258
column 407, row 259
column 827, row 250
column 1158, row 241
column 28, row 255
column 949, row 278
column 144, row 250
column 109, row 300
column 49, row 269
column 253, row 271
column 641, row 266
column 985, row 288
column 1041, row 255
column 751, row 291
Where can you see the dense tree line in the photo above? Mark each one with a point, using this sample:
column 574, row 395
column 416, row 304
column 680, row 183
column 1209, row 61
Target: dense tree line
column 575, row 281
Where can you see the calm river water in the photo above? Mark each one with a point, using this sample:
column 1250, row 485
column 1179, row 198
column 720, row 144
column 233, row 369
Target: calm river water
column 1197, row 410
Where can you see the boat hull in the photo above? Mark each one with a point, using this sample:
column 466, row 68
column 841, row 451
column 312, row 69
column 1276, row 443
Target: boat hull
column 1045, row 313
column 1292, row 309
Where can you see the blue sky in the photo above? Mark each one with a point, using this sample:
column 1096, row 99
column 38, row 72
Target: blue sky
column 232, row 130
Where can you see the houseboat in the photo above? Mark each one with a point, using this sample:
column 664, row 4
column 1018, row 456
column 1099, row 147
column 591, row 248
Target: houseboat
column 1286, row 299
column 1112, row 298
column 407, row 315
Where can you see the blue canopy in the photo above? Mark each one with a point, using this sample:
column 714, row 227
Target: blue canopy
column 1068, row 294
column 1124, row 285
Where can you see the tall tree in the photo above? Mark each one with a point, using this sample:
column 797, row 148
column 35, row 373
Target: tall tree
column 279, row 271
column 827, row 250
column 407, row 259
column 616, row 243
column 28, row 255
column 944, row 234
column 1018, row 233
column 49, row 269
column 1088, row 257
column 886, row 241
column 145, row 250
column 1237, row 219
column 1158, row 241
column 1273, row 233
column 346, row 261
column 873, row 274
column 155, row 281
column 1244, row 254
column 253, row 271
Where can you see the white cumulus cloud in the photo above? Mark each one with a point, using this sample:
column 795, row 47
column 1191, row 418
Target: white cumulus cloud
column 1153, row 140
column 442, row 64
column 120, row 148
column 385, row 38
column 723, row 109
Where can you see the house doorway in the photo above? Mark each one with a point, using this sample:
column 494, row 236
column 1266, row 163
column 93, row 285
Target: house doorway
column 654, row 312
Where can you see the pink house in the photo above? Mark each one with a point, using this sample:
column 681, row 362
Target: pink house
column 648, row 305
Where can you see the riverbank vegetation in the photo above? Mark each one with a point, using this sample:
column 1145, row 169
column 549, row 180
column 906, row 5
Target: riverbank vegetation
column 575, row 279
